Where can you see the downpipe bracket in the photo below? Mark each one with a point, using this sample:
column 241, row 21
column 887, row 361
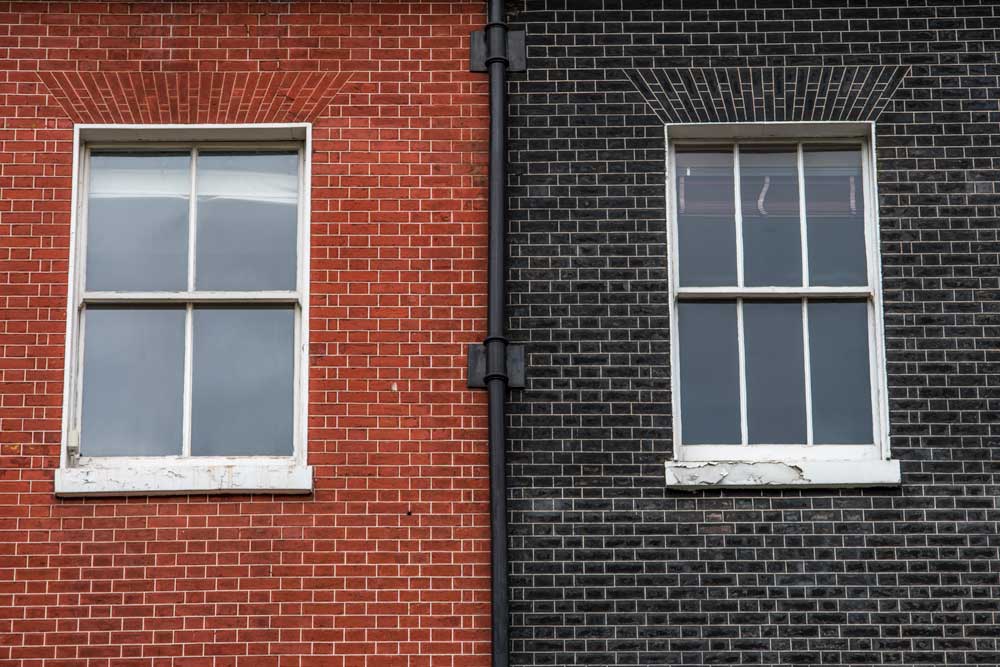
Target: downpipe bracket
column 516, row 55
column 477, row 366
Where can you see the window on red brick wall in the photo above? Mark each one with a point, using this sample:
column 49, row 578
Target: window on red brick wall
column 187, row 324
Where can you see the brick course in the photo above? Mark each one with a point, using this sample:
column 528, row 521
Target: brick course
column 387, row 562
column 608, row 567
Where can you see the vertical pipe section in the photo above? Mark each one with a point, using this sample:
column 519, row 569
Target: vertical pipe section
column 496, row 341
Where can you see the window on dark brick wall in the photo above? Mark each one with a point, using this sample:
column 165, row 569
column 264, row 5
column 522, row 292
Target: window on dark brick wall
column 187, row 323
column 776, row 309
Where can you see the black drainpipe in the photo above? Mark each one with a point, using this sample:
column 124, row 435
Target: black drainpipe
column 496, row 342
column 497, row 50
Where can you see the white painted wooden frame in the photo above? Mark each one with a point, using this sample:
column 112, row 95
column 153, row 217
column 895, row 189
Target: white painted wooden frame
column 745, row 465
column 157, row 475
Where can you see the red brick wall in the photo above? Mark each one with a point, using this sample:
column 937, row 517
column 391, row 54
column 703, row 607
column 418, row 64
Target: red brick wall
column 387, row 562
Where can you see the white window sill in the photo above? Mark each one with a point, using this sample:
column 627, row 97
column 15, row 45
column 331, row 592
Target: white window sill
column 694, row 475
column 171, row 478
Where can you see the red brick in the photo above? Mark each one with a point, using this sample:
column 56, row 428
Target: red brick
column 387, row 563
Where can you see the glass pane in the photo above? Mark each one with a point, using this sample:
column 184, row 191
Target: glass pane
column 706, row 217
column 133, row 381
column 835, row 215
column 840, row 372
column 137, row 221
column 769, row 190
column 775, row 375
column 242, row 393
column 247, row 216
column 710, row 379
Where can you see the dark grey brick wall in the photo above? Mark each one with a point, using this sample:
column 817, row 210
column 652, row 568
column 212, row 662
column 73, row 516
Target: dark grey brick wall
column 610, row 568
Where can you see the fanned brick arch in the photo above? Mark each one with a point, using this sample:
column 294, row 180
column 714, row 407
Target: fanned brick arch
column 193, row 97
column 757, row 94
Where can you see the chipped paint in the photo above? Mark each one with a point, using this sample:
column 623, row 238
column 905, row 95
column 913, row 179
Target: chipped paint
column 748, row 474
column 170, row 477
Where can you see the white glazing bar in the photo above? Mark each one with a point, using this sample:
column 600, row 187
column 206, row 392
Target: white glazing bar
column 277, row 296
column 189, row 311
column 876, row 335
column 766, row 292
column 301, row 228
column 875, row 370
column 72, row 314
column 77, row 422
column 803, row 231
column 740, row 343
column 808, row 373
column 297, row 393
column 869, row 199
column 670, row 183
column 738, row 208
column 784, row 452
column 188, row 379
column 231, row 145
column 192, row 220
column 81, row 239
column 671, row 194
column 80, row 275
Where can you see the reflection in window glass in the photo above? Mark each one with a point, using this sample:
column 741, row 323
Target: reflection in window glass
column 835, row 215
column 706, row 218
column 775, row 372
column 710, row 380
column 841, row 380
column 247, row 214
column 133, row 381
column 242, row 389
column 769, row 190
column 137, row 222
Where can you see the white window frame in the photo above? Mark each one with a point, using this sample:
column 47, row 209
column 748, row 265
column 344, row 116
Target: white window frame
column 159, row 475
column 745, row 465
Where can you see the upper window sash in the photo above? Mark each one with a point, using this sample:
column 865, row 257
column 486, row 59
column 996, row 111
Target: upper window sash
column 198, row 195
column 718, row 190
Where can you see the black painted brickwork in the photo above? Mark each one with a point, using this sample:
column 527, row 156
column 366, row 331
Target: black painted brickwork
column 609, row 567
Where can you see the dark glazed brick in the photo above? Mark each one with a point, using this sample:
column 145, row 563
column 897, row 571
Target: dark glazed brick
column 608, row 567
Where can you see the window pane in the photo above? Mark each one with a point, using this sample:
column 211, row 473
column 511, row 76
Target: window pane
column 706, row 217
column 243, row 381
column 710, row 380
column 769, row 190
column 839, row 367
column 133, row 381
column 835, row 215
column 247, row 215
column 137, row 221
column 775, row 376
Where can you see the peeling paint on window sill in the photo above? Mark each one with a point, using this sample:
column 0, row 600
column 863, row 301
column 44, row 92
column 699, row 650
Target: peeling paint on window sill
column 694, row 475
column 170, row 478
